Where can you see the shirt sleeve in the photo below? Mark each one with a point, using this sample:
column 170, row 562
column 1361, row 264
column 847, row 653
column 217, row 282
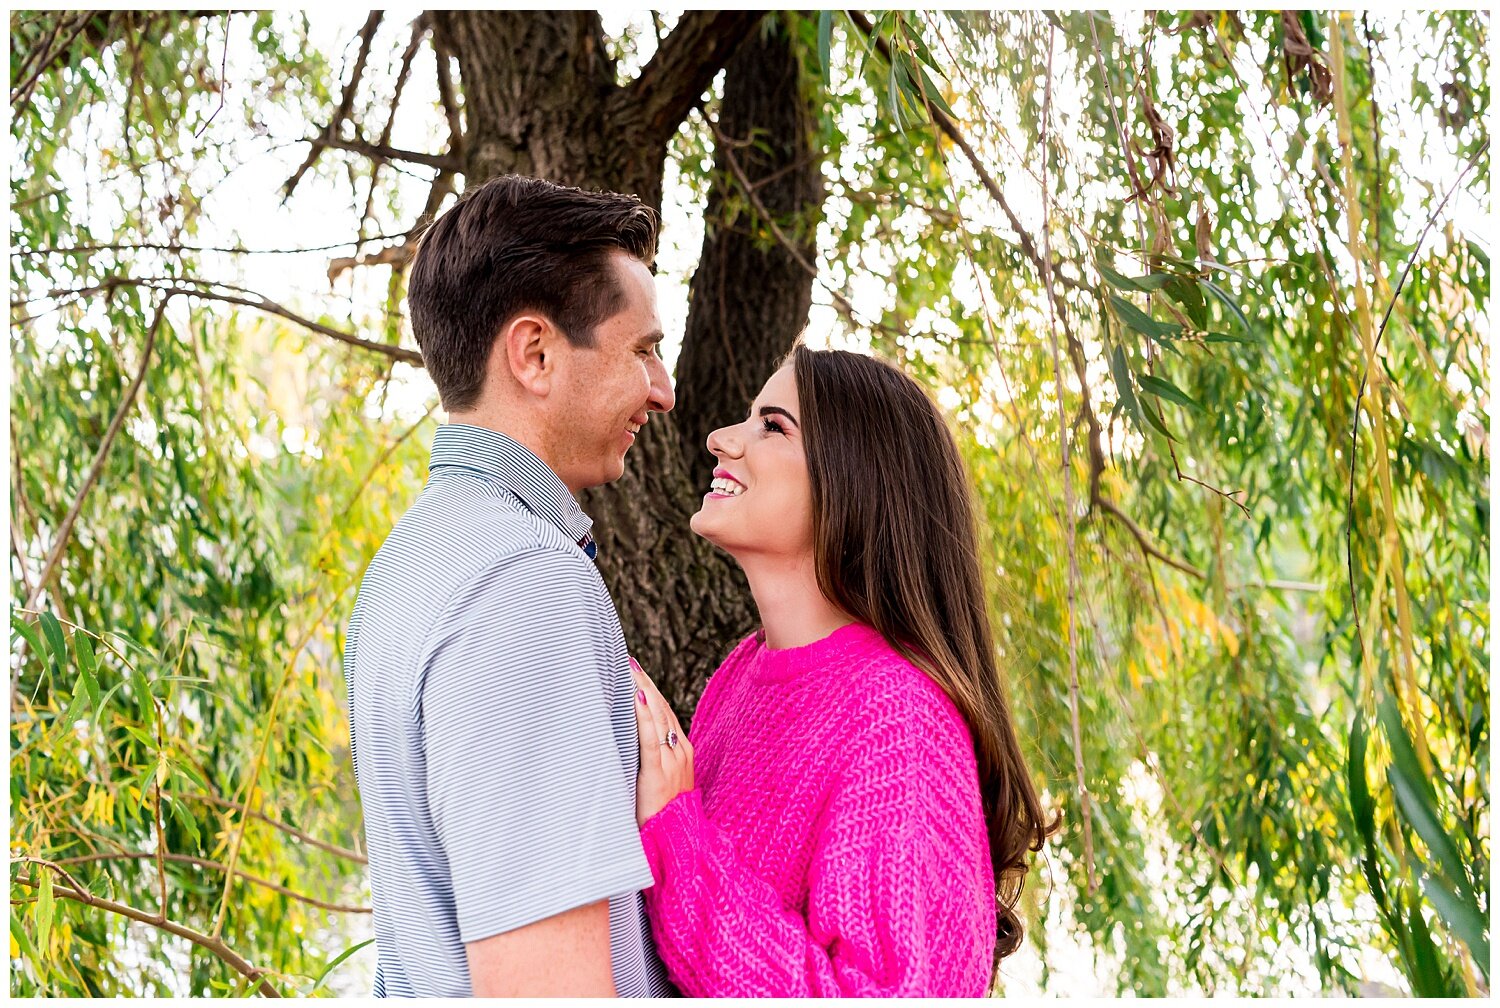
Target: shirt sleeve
column 529, row 797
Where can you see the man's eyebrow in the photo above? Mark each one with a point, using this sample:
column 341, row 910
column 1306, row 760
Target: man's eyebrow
column 770, row 410
column 651, row 339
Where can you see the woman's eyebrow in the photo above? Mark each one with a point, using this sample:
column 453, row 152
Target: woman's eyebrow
column 770, row 410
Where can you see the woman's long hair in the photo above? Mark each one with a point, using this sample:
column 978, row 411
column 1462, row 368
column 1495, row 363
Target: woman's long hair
column 895, row 547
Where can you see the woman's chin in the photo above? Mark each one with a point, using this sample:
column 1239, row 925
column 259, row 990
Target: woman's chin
column 703, row 527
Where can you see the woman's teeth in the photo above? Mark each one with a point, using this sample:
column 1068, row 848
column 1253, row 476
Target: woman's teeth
column 727, row 487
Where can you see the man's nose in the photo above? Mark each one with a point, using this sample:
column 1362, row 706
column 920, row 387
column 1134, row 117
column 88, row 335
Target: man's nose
column 663, row 397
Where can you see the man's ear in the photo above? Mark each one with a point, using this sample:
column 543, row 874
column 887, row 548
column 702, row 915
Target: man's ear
column 529, row 343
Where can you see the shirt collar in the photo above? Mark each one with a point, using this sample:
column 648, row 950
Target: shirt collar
column 515, row 467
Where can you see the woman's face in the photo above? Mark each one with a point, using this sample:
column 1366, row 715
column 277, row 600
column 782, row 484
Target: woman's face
column 760, row 501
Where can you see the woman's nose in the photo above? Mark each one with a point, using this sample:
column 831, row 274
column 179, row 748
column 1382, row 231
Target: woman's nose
column 724, row 442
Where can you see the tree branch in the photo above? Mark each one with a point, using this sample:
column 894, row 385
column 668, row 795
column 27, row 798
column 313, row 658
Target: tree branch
column 1108, row 507
column 77, row 893
column 198, row 862
column 342, row 852
column 442, row 162
column 671, row 84
column 172, row 247
column 166, row 285
column 346, row 102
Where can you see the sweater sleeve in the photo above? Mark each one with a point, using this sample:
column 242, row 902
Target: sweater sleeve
column 894, row 902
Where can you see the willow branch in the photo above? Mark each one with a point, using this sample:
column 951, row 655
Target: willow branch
column 1042, row 263
column 1070, row 520
column 172, row 247
column 73, row 891
column 65, row 529
column 198, row 862
column 290, row 830
column 248, row 299
column 951, row 129
column 256, row 764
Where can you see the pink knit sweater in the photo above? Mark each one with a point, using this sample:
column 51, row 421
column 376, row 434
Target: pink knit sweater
column 835, row 844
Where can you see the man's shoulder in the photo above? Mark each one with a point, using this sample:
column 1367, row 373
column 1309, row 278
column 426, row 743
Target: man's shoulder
column 450, row 535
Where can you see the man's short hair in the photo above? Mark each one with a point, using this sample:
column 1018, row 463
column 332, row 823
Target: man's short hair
column 518, row 244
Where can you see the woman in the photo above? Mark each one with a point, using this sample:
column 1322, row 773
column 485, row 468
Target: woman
column 853, row 799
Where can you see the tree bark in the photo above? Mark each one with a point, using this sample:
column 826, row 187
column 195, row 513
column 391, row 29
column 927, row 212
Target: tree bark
column 540, row 99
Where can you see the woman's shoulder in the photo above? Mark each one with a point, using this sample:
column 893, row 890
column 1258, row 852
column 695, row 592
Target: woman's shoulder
column 890, row 682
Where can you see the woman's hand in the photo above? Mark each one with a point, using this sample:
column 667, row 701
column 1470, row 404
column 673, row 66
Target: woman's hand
column 666, row 753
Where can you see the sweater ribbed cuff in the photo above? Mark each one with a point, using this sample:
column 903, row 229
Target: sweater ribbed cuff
column 671, row 837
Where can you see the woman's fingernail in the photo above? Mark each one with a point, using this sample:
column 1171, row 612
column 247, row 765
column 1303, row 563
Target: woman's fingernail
column 640, row 695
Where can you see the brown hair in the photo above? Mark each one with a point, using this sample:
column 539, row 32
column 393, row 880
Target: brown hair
column 516, row 244
column 895, row 546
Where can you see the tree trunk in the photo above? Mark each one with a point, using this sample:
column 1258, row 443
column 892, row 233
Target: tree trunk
column 750, row 296
column 540, row 99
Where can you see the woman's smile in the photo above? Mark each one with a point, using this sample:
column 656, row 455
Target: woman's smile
column 724, row 485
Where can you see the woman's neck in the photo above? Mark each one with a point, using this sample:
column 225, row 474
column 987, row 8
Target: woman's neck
column 793, row 610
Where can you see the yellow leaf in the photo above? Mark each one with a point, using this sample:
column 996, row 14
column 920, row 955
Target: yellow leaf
column 15, row 950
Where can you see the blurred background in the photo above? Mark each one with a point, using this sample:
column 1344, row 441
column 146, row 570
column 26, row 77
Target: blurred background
column 1203, row 294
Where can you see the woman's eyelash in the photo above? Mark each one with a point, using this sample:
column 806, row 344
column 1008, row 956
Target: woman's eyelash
column 771, row 426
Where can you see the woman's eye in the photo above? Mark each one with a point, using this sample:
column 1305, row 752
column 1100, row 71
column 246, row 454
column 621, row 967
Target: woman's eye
column 771, row 426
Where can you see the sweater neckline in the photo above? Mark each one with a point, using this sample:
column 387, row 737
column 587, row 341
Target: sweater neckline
column 782, row 664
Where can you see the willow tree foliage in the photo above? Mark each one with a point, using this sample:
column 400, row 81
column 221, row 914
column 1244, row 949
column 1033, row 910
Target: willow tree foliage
column 1201, row 293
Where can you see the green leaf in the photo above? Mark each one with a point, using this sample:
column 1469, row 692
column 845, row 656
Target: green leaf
column 1156, row 422
column 825, row 42
column 75, row 705
column 88, row 665
column 1149, row 282
column 1140, row 321
column 1463, row 918
column 1428, row 978
column 29, row 635
column 1416, row 800
column 1121, row 372
column 180, row 812
column 1360, row 806
column 1189, row 298
column 1228, row 302
column 45, row 909
column 1166, row 390
column 1219, row 337
column 934, row 94
column 23, row 941
column 336, row 961
column 57, row 644
column 1479, row 254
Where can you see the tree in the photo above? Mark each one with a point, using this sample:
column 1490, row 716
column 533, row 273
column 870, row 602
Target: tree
column 1217, row 371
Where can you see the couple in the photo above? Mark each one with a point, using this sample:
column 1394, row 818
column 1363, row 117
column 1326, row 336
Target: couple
column 852, row 814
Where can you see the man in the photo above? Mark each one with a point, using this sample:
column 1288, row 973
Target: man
column 491, row 703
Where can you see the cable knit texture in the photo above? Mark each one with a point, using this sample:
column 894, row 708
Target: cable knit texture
column 835, row 844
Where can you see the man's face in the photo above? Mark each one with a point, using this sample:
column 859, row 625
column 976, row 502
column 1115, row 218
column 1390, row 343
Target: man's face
column 607, row 392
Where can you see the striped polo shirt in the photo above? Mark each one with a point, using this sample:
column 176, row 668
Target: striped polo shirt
column 492, row 722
